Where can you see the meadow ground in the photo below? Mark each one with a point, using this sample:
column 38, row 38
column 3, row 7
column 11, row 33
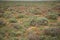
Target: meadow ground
column 30, row 20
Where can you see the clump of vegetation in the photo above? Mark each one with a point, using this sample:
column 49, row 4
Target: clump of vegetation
column 39, row 21
column 21, row 16
column 42, row 21
column 7, row 15
column 16, row 26
column 12, row 20
column 1, row 14
column 52, row 32
column 2, row 34
column 58, row 24
column 33, row 23
column 1, row 10
column 33, row 33
column 35, row 11
column 52, row 16
column 2, row 22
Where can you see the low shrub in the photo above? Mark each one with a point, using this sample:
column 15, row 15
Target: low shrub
column 39, row 21
column 52, row 31
column 35, row 11
column 16, row 26
column 48, row 38
column 12, row 20
column 42, row 21
column 52, row 16
column 2, row 22
column 7, row 15
column 21, row 16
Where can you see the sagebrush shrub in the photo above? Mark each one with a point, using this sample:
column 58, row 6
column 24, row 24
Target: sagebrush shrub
column 42, row 21
column 52, row 31
column 12, row 20
column 2, row 22
column 7, row 15
column 21, row 16
column 16, row 26
column 52, row 16
column 35, row 11
column 39, row 21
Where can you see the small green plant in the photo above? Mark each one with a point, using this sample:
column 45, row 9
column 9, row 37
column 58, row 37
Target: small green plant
column 7, row 15
column 16, row 26
column 35, row 11
column 21, row 16
column 33, row 23
column 33, row 20
column 39, row 21
column 42, row 21
column 52, row 32
column 12, row 20
column 2, row 22
column 52, row 16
